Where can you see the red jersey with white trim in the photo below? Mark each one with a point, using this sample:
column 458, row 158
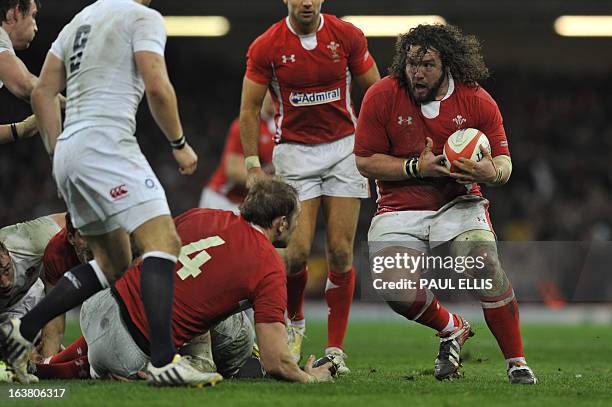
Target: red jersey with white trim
column 391, row 123
column 310, row 78
column 224, row 260
column 59, row 257
column 219, row 181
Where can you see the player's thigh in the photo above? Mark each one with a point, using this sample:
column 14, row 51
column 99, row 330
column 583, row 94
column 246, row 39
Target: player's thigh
column 232, row 343
column 342, row 178
column 395, row 272
column 111, row 349
column 298, row 250
column 112, row 252
column 463, row 214
column 157, row 234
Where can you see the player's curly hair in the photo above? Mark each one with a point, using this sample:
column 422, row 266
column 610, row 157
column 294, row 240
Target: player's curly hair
column 459, row 52
column 267, row 200
column 3, row 248
column 24, row 6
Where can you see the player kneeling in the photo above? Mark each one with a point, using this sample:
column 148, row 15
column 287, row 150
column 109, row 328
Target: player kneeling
column 211, row 279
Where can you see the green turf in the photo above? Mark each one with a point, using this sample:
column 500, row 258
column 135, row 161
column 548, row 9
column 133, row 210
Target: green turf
column 392, row 365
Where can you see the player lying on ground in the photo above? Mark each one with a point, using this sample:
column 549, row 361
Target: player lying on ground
column 227, row 349
column 404, row 122
column 21, row 264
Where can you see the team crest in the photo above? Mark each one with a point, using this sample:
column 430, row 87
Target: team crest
column 333, row 47
column 459, row 120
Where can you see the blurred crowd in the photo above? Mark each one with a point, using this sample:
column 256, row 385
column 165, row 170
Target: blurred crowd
column 559, row 135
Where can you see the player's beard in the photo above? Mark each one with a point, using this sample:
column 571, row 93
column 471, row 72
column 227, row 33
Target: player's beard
column 433, row 91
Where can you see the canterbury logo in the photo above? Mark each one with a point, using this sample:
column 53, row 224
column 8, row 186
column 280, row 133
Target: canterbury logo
column 119, row 192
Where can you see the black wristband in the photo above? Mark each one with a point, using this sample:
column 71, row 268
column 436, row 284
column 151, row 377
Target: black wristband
column 178, row 144
column 14, row 132
column 412, row 169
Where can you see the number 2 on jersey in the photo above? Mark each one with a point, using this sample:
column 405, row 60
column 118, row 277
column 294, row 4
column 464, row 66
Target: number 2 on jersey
column 191, row 266
column 80, row 41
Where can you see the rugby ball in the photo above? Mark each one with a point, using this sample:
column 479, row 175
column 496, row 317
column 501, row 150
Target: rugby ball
column 465, row 143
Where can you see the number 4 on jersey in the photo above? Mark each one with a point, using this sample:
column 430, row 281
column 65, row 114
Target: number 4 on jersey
column 191, row 266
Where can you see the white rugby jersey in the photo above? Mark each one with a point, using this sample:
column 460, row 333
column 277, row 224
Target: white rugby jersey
column 6, row 45
column 26, row 243
column 103, row 85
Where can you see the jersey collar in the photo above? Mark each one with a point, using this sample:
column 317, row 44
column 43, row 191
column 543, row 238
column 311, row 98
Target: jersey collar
column 288, row 22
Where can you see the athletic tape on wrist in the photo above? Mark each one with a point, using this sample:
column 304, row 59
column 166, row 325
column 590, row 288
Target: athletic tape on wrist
column 252, row 161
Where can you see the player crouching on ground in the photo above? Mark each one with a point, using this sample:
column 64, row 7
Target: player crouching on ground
column 225, row 259
column 404, row 122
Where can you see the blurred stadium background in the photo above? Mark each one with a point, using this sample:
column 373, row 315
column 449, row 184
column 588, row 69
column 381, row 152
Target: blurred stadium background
column 555, row 93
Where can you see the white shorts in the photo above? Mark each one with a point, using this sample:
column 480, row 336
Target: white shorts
column 105, row 181
column 110, row 346
column 326, row 169
column 214, row 200
column 28, row 301
column 422, row 230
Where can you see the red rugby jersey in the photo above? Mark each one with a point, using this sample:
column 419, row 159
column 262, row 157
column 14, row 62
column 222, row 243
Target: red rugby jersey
column 310, row 78
column 59, row 257
column 224, row 260
column 391, row 123
column 219, row 181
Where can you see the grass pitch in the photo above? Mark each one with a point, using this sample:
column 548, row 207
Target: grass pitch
column 392, row 365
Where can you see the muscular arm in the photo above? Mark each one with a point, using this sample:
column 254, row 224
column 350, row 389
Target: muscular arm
column 369, row 78
column 160, row 93
column 275, row 356
column 45, row 101
column 18, row 80
column 382, row 167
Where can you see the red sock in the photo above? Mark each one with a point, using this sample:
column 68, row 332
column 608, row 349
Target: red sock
column 436, row 316
column 296, row 283
column 502, row 316
column 76, row 350
column 339, row 295
column 75, row 369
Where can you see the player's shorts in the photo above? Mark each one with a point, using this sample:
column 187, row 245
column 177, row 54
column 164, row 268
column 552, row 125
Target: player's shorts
column 28, row 301
column 326, row 169
column 106, row 182
column 422, row 230
column 214, row 200
column 232, row 343
column 110, row 347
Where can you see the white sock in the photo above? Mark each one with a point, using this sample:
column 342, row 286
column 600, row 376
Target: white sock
column 301, row 324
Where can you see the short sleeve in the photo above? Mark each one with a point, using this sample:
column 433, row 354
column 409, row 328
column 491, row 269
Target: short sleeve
column 57, row 49
column 371, row 134
column 492, row 124
column 359, row 60
column 270, row 297
column 149, row 32
column 5, row 42
column 259, row 67
column 233, row 144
